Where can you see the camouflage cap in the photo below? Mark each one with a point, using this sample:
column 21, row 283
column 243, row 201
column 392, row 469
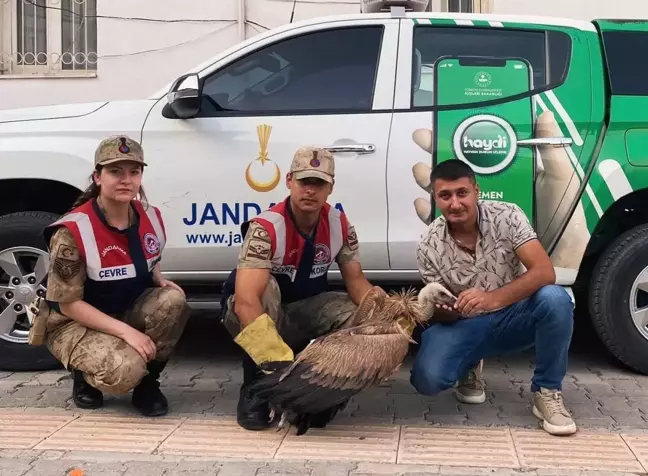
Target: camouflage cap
column 118, row 148
column 313, row 162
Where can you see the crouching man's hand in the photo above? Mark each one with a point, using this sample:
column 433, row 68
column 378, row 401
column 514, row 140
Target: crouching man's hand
column 473, row 302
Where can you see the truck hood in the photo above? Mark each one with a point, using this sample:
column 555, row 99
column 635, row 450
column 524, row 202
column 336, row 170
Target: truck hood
column 59, row 111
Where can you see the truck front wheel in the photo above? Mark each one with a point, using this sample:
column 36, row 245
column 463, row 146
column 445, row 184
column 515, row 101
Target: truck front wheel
column 23, row 268
column 619, row 298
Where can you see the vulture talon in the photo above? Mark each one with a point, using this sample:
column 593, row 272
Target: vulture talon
column 282, row 421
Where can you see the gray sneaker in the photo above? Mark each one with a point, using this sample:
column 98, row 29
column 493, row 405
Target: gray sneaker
column 470, row 389
column 549, row 407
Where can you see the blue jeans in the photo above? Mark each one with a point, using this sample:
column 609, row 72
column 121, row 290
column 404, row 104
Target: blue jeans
column 544, row 320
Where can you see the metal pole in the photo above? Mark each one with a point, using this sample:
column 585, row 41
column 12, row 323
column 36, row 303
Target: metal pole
column 242, row 20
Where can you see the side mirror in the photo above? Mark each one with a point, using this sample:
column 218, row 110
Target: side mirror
column 184, row 96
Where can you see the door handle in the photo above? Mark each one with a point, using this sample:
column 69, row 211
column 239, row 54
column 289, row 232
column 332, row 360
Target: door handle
column 551, row 141
column 357, row 148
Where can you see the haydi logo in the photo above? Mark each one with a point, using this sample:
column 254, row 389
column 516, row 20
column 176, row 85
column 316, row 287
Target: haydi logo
column 487, row 143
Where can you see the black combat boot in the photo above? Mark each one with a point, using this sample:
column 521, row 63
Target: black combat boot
column 84, row 394
column 251, row 413
column 147, row 397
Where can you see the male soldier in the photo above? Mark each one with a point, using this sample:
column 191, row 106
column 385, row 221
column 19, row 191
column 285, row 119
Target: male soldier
column 280, row 300
column 478, row 250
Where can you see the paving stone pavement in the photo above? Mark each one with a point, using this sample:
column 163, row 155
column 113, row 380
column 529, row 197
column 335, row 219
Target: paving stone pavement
column 53, row 464
column 104, row 465
column 204, row 376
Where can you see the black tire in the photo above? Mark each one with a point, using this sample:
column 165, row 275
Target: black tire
column 611, row 283
column 25, row 229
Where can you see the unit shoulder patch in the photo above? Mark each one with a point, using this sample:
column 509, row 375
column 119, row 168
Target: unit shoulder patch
column 351, row 249
column 66, row 262
column 259, row 232
column 256, row 250
column 67, row 271
column 352, row 238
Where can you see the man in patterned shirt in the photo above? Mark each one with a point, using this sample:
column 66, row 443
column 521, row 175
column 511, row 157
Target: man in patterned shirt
column 488, row 256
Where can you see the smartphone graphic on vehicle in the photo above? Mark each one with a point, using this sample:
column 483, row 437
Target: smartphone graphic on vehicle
column 486, row 137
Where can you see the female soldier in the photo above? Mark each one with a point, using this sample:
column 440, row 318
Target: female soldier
column 113, row 319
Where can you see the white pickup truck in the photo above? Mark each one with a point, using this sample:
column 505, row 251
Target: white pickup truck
column 547, row 110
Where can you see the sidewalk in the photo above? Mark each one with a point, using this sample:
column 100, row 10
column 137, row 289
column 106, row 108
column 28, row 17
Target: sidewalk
column 389, row 430
column 59, row 441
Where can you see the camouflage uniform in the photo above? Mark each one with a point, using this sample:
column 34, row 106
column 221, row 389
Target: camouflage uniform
column 108, row 363
column 301, row 321
column 297, row 322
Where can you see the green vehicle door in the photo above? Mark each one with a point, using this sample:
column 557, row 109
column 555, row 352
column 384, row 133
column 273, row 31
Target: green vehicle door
column 567, row 120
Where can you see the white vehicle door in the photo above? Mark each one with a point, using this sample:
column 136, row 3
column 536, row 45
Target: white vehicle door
column 328, row 85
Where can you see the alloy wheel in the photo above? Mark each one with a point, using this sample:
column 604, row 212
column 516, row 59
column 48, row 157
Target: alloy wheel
column 22, row 274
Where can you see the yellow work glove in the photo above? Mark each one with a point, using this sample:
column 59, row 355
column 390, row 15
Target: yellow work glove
column 263, row 343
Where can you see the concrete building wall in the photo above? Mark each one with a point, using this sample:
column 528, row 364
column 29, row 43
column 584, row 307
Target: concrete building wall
column 135, row 58
column 580, row 9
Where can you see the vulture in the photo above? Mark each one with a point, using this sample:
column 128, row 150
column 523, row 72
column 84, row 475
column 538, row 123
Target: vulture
column 336, row 366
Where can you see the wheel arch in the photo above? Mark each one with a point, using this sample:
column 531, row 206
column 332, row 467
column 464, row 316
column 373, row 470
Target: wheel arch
column 624, row 214
column 36, row 194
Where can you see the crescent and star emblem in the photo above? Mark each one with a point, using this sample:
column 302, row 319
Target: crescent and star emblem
column 262, row 174
column 257, row 167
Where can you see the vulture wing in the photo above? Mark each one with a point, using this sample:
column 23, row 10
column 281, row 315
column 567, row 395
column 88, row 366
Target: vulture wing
column 333, row 368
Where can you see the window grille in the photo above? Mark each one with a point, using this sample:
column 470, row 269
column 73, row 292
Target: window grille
column 48, row 37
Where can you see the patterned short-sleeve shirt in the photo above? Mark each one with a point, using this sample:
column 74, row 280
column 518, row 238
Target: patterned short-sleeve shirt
column 503, row 228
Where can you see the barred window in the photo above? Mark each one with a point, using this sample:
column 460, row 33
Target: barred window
column 465, row 6
column 461, row 6
column 42, row 37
